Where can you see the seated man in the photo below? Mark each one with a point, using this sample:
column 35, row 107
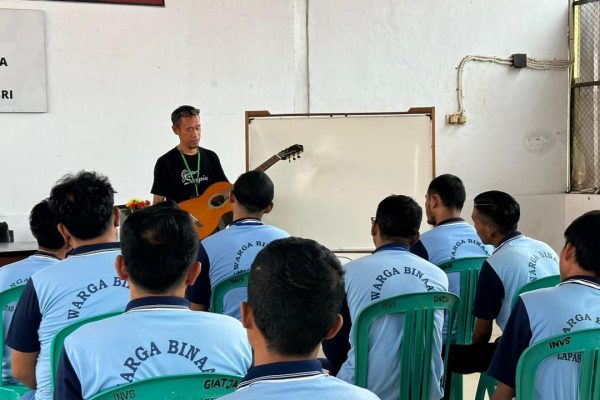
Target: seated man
column 573, row 305
column 51, row 249
column 157, row 335
column 295, row 290
column 81, row 286
column 516, row 261
column 231, row 251
column 451, row 237
column 391, row 271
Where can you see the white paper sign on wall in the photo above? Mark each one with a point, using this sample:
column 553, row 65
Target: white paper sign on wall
column 22, row 61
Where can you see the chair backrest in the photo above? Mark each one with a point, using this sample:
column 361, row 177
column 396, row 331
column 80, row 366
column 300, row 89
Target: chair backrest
column 469, row 269
column 417, row 341
column 585, row 342
column 217, row 296
column 179, row 387
column 58, row 340
column 7, row 297
column 545, row 282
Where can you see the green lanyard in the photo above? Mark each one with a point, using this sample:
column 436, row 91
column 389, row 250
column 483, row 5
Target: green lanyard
column 190, row 171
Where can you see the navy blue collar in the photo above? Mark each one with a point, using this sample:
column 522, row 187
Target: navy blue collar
column 282, row 370
column 450, row 220
column 392, row 246
column 583, row 278
column 508, row 238
column 158, row 302
column 246, row 222
column 45, row 254
column 91, row 248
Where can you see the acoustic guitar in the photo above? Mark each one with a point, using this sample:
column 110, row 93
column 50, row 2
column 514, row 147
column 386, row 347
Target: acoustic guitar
column 212, row 209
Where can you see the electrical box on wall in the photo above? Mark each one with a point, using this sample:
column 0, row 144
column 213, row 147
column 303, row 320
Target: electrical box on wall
column 519, row 60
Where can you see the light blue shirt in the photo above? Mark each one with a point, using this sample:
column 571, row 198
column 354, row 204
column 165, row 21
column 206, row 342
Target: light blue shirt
column 156, row 336
column 391, row 271
column 573, row 305
column 12, row 275
column 227, row 253
column 295, row 380
column 81, row 286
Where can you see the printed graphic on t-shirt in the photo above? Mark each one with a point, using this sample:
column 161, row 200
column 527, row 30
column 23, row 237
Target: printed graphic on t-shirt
column 186, row 179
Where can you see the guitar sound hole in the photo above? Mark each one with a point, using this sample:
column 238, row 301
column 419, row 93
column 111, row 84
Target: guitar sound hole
column 217, row 200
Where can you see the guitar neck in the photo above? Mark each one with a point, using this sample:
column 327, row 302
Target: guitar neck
column 268, row 164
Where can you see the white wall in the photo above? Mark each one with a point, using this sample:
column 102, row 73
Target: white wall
column 116, row 72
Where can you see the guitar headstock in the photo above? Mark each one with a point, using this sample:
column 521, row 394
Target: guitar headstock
column 291, row 152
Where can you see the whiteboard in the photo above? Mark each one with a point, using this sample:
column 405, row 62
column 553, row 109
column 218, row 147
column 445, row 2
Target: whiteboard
column 349, row 164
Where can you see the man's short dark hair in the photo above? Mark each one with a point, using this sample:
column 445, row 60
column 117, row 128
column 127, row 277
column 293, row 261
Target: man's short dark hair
column 254, row 190
column 181, row 112
column 83, row 203
column 500, row 208
column 43, row 224
column 159, row 245
column 398, row 217
column 583, row 234
column 450, row 189
column 295, row 289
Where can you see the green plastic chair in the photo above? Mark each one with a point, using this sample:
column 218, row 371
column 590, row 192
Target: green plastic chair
column 9, row 296
column 58, row 340
column 222, row 288
column 418, row 310
column 469, row 269
column 545, row 282
column 586, row 342
column 177, row 387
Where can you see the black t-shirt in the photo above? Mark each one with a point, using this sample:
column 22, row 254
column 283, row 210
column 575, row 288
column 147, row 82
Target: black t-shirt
column 172, row 179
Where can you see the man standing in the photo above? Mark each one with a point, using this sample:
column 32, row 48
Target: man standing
column 295, row 290
column 163, row 337
column 51, row 249
column 571, row 306
column 187, row 170
column 451, row 237
column 231, row 251
column 81, row 286
column 391, row 271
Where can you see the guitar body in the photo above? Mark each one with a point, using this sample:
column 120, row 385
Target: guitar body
column 210, row 208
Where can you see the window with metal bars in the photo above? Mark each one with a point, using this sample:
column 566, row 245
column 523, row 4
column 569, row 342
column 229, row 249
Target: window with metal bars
column 585, row 97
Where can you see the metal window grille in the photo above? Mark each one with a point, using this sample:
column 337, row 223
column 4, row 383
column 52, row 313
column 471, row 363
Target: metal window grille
column 585, row 97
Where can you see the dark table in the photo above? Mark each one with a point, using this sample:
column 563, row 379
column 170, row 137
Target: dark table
column 11, row 252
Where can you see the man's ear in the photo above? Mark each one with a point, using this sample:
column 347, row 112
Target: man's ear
column 335, row 328
column 193, row 273
column 120, row 268
column 269, row 208
column 116, row 216
column 247, row 315
column 174, row 128
column 434, row 200
column 64, row 232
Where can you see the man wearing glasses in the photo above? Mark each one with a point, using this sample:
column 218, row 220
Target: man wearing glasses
column 187, row 170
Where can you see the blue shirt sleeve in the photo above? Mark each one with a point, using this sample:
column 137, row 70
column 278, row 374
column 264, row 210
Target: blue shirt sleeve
column 420, row 250
column 67, row 385
column 200, row 291
column 23, row 332
column 489, row 295
column 515, row 340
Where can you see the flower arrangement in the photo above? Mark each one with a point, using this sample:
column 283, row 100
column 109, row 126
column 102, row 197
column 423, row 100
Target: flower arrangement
column 136, row 204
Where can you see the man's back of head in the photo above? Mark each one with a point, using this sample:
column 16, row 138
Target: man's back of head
column 84, row 204
column 450, row 190
column 295, row 291
column 254, row 190
column 583, row 235
column 398, row 219
column 159, row 245
column 43, row 225
column 498, row 209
